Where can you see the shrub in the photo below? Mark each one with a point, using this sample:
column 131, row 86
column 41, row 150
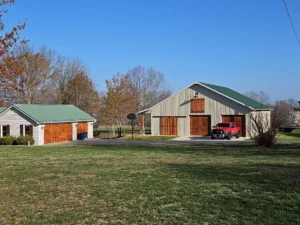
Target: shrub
column 96, row 133
column 8, row 140
column 264, row 133
column 265, row 139
column 22, row 140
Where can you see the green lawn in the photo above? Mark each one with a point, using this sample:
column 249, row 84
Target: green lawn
column 294, row 136
column 105, row 133
column 140, row 185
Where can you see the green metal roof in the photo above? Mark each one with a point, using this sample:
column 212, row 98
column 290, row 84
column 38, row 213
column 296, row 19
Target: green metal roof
column 238, row 97
column 2, row 109
column 53, row 113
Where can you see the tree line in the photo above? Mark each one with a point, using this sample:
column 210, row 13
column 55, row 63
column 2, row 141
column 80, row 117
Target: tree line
column 42, row 76
column 283, row 113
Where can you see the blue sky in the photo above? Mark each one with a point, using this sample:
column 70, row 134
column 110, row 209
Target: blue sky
column 245, row 45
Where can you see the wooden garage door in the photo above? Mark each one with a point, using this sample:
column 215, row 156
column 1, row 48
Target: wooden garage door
column 168, row 125
column 58, row 133
column 200, row 125
column 82, row 127
column 239, row 121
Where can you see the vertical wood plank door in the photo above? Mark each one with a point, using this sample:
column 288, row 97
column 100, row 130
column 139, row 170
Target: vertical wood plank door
column 239, row 121
column 198, row 105
column 168, row 125
column 200, row 125
column 57, row 133
column 227, row 119
column 82, row 127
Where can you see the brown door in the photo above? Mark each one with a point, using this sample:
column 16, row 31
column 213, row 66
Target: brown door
column 57, row 133
column 82, row 127
column 200, row 125
column 168, row 125
column 239, row 121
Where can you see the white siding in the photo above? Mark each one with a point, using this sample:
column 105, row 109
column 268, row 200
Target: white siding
column 180, row 105
column 74, row 131
column 297, row 118
column 41, row 132
column 90, row 129
column 36, row 134
column 15, row 119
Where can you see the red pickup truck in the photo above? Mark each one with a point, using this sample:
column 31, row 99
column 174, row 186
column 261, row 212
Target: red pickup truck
column 225, row 130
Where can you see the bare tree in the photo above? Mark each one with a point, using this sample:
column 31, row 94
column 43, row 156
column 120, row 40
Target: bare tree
column 261, row 97
column 293, row 102
column 284, row 114
column 264, row 129
column 150, row 87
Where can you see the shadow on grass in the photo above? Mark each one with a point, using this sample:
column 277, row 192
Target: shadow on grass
column 206, row 150
column 269, row 176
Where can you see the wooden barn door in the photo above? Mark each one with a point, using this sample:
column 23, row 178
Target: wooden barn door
column 239, row 121
column 57, row 133
column 82, row 127
column 168, row 125
column 200, row 125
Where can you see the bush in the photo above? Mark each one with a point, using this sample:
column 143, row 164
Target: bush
column 265, row 139
column 22, row 140
column 96, row 133
column 8, row 140
column 264, row 134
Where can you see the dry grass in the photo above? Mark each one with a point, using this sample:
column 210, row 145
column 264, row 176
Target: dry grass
column 139, row 185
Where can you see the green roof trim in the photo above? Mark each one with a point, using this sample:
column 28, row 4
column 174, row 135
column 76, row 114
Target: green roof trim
column 249, row 102
column 53, row 113
column 2, row 109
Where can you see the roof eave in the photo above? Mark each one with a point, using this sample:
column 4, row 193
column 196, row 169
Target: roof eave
column 225, row 96
column 69, row 121
column 266, row 109
column 144, row 111
column 21, row 111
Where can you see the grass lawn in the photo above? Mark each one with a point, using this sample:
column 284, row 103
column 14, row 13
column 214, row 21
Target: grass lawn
column 154, row 185
column 288, row 136
column 104, row 131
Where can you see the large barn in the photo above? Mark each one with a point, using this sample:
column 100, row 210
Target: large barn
column 194, row 110
column 45, row 123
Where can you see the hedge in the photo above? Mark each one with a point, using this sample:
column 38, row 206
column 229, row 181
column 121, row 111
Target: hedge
column 7, row 140
column 11, row 140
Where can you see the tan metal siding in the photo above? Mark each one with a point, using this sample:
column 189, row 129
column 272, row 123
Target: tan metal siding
column 180, row 105
column 155, row 126
column 265, row 114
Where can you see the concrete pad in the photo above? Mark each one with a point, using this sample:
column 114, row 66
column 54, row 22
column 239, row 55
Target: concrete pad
column 207, row 138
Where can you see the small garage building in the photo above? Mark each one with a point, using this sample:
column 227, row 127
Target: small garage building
column 46, row 123
column 194, row 110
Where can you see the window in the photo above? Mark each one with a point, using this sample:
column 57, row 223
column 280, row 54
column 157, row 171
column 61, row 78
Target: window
column 223, row 125
column 4, row 131
column 198, row 105
column 27, row 130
